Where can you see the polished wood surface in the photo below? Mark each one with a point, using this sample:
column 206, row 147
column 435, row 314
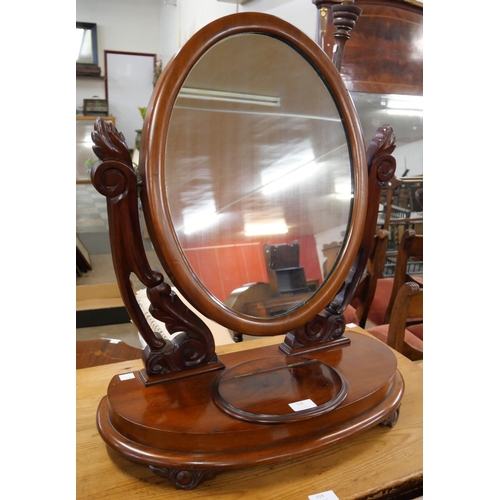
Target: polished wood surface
column 374, row 463
column 363, row 296
column 408, row 304
column 410, row 247
column 245, row 415
column 154, row 157
column 97, row 352
column 385, row 51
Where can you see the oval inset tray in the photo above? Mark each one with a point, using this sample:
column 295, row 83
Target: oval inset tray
column 273, row 389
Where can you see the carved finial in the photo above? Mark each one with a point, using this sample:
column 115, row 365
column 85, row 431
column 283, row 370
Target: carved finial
column 345, row 16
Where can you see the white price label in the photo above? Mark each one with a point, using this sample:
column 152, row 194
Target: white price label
column 126, row 376
column 326, row 495
column 302, row 405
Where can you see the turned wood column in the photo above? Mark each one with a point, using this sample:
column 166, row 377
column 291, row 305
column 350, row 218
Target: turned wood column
column 343, row 16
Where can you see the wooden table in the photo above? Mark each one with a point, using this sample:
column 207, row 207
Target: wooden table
column 379, row 462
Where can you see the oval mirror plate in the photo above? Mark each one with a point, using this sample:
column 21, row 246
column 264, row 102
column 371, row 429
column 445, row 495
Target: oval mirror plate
column 253, row 173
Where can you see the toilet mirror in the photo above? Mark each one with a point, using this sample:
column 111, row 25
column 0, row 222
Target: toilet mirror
column 253, row 172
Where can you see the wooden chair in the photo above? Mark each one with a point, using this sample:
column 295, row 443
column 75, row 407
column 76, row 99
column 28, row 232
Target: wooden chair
column 357, row 311
column 284, row 272
column 96, row 352
column 408, row 304
column 402, row 202
column 402, row 197
column 381, row 307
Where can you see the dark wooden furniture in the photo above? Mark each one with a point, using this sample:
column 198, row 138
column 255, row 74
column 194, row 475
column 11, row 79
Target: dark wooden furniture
column 379, row 463
column 190, row 412
column 410, row 248
column 96, row 352
column 365, row 291
column 397, row 333
column 258, row 300
column 385, row 49
column 284, row 272
column 402, row 200
column 286, row 289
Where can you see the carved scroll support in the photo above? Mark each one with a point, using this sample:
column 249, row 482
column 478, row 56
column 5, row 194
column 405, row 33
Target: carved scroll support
column 327, row 328
column 115, row 178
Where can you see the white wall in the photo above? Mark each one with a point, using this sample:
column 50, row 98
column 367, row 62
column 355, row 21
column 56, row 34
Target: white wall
column 409, row 156
column 301, row 13
column 181, row 19
column 122, row 25
column 161, row 27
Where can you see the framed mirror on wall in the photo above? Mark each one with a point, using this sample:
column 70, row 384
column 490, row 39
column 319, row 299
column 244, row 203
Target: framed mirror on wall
column 128, row 86
column 86, row 43
column 87, row 59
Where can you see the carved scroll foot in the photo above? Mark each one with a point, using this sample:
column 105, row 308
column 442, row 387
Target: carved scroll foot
column 391, row 420
column 184, row 479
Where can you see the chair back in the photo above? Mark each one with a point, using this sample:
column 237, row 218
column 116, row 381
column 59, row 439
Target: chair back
column 284, row 272
column 410, row 248
column 403, row 196
column 408, row 304
column 365, row 291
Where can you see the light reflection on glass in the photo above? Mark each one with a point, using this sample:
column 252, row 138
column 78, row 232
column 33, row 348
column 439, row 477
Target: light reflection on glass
column 224, row 156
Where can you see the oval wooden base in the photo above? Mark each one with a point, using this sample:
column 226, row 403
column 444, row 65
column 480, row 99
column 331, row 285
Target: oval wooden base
column 181, row 431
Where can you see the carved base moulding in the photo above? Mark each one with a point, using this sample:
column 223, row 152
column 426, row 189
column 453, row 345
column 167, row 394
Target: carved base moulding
column 264, row 407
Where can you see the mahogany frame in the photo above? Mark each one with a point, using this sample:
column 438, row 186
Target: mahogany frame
column 152, row 161
column 153, row 416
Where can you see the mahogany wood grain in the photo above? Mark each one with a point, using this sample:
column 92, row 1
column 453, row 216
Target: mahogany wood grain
column 363, row 296
column 153, row 158
column 150, row 425
column 410, row 247
column 96, row 352
column 375, row 463
column 385, row 51
column 408, row 304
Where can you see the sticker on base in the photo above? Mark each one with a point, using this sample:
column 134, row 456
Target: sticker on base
column 306, row 404
column 326, row 495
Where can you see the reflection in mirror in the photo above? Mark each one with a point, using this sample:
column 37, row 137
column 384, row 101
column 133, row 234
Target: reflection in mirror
column 405, row 114
column 86, row 43
column 257, row 156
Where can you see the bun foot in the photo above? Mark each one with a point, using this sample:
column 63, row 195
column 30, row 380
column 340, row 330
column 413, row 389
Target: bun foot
column 391, row 420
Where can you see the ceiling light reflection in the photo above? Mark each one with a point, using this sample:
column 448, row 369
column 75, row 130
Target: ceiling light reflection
column 283, row 179
column 268, row 228
column 202, row 221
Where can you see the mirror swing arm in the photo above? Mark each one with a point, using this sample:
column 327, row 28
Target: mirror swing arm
column 115, row 178
column 188, row 414
column 161, row 356
column 327, row 328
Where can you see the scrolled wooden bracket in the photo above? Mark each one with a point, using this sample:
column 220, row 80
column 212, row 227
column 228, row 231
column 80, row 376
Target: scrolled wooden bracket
column 381, row 169
column 327, row 328
column 115, row 178
column 193, row 347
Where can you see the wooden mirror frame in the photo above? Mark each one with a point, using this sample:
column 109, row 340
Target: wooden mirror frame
column 152, row 172
column 186, row 415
